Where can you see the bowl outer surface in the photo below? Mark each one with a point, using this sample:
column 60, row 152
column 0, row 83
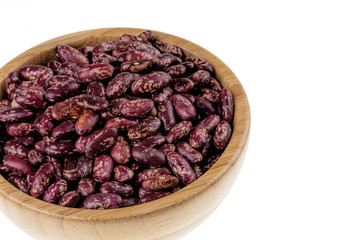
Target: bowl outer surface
column 166, row 218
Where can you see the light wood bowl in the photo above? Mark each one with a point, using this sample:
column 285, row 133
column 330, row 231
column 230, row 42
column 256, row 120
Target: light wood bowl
column 168, row 218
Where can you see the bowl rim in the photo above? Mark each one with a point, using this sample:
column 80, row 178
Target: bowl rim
column 234, row 149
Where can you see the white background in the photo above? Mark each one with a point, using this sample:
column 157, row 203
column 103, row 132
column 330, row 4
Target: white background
column 299, row 62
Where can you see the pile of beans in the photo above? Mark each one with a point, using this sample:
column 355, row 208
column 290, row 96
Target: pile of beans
column 113, row 125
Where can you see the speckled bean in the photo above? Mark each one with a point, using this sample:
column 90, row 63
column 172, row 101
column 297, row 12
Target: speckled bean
column 36, row 157
column 70, row 199
column 20, row 129
column 119, row 84
column 188, row 152
column 150, row 173
column 92, row 102
column 152, row 141
column 222, row 135
column 148, row 156
column 58, row 169
column 204, row 105
column 162, row 95
column 226, row 105
column 32, row 97
column 123, row 173
column 16, row 148
column 153, row 196
column 100, row 141
column 65, row 110
column 136, row 108
column 114, row 108
column 181, row 167
column 169, row 48
column 62, row 90
column 103, row 201
column 179, row 131
column 209, row 95
column 166, row 148
column 37, row 74
column 105, row 47
column 200, row 77
column 42, row 179
column 69, row 69
column 84, row 167
column 159, row 183
column 95, row 72
column 103, row 168
column 183, row 107
column 201, row 63
column 122, row 123
column 96, row 88
column 151, row 82
column 60, row 148
column 67, row 53
column 167, row 114
column 86, row 187
column 18, row 114
column 86, row 123
column 64, row 129
column 114, row 187
column 120, row 152
column 145, row 128
column 70, row 171
column 55, row 191
column 18, row 182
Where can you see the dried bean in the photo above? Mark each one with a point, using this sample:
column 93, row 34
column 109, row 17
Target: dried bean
column 62, row 90
column 122, row 189
column 226, row 105
column 159, row 183
column 86, row 123
column 58, row 169
column 103, row 201
column 42, row 179
column 70, row 171
column 67, row 53
column 148, row 156
column 123, row 173
column 166, row 148
column 152, row 141
column 181, row 168
column 204, row 105
column 222, row 135
column 36, row 157
column 60, row 148
column 169, row 48
column 65, row 110
column 114, row 109
column 96, row 88
column 145, row 128
column 70, row 199
column 150, row 173
column 20, row 129
column 19, row 182
column 162, row 95
column 188, row 152
column 15, row 148
column 105, row 47
column 201, row 64
column 100, row 141
column 153, row 196
column 167, row 114
column 136, row 108
column 37, row 74
column 15, row 115
column 103, row 167
column 32, row 97
column 55, row 191
column 179, row 131
column 69, row 69
column 84, row 167
column 151, row 82
column 183, row 107
column 64, row 129
column 95, row 72
column 183, row 85
column 86, row 187
column 120, row 152
column 92, row 102
column 119, row 84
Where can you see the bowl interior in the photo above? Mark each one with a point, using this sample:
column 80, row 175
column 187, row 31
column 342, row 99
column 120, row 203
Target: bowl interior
column 44, row 52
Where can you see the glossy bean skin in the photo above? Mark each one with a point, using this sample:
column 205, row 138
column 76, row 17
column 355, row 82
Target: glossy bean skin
column 67, row 53
column 123, row 173
column 120, row 152
column 54, row 65
column 18, row 114
column 70, row 199
column 201, row 63
column 60, row 148
column 86, row 123
column 147, row 35
column 189, row 97
column 103, row 201
column 87, row 50
column 226, row 105
column 96, row 88
column 197, row 170
column 204, row 105
column 167, row 114
column 92, row 102
column 176, row 71
column 169, row 48
column 70, row 171
column 20, row 129
column 200, row 77
column 122, row 123
column 12, row 80
column 103, row 168
column 114, row 187
column 64, row 129
column 100, row 141
column 69, row 69
column 58, row 79
column 140, row 56
column 136, row 67
column 136, row 108
column 145, row 128
column 30, row 178
column 84, row 167
column 153, row 196
column 181, row 168
column 18, row 182
column 209, row 95
column 103, row 58
column 148, row 156
column 162, row 95
column 36, row 73
column 183, row 85
column 86, row 187
column 222, row 135
column 152, row 141
column 114, row 109
column 15, row 148
column 151, row 82
column 58, row 169
column 119, row 84
column 105, row 47
column 62, row 91
column 150, row 173
column 41, row 179
column 36, row 157
column 27, row 141
column 160, row 183
column 65, row 110
column 210, row 122
column 95, row 72
column 189, row 153
column 210, row 162
column 208, row 147
column 215, row 85
column 32, row 97
column 81, row 143
column 166, row 148
column 144, row 47
column 183, row 107
column 55, row 191
column 198, row 137
column 127, row 202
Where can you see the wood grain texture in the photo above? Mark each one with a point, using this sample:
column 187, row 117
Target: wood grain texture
column 166, row 218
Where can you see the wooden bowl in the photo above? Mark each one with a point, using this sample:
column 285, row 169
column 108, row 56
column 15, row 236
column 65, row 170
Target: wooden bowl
column 167, row 218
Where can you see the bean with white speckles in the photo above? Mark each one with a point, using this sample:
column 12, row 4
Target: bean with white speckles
column 181, row 167
column 55, row 191
column 103, row 168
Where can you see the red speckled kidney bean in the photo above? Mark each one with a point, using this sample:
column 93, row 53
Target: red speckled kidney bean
column 86, row 187
column 209, row 95
column 58, row 169
column 55, row 191
column 95, row 72
column 37, row 74
column 12, row 80
column 215, row 85
column 150, row 173
column 122, row 189
column 204, row 105
column 92, row 102
column 176, row 71
column 201, row 64
column 70, row 199
column 18, row 114
column 144, row 128
column 169, row 48
column 69, row 69
column 188, row 152
column 64, row 129
column 162, row 95
column 57, row 79
column 226, row 105
column 222, row 135
column 198, row 137
column 183, row 85
column 102, row 58
column 62, row 90
column 161, row 182
column 32, row 97
column 20, row 129
column 44, row 121
column 26, row 141
column 179, row 131
column 183, row 107
column 60, row 148
column 86, row 123
column 15, row 148
column 127, row 202
column 210, row 122
column 70, row 171
column 84, row 167
column 65, row 110
column 166, row 148
column 151, row 82
column 103, row 201
column 96, row 88
column 123, row 173
column 200, row 77
column 105, row 47
column 36, row 157
column 67, row 53
column 54, row 65
column 197, row 170
column 42, row 179
column 181, row 167
column 114, row 109
column 119, row 84
column 120, row 152
column 103, row 168
column 148, row 156
column 153, row 196
column 167, row 114
column 136, row 108
column 100, row 141
column 19, row 182
column 152, row 141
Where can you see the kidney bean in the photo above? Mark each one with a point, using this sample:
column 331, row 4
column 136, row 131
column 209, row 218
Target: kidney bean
column 209, row 95
column 36, row 157
column 226, row 105
column 123, row 173
column 62, row 90
column 81, row 143
column 120, row 51
column 18, row 182
column 145, row 128
column 222, row 135
column 26, row 141
column 167, row 59
column 210, row 162
column 36, row 73
column 70, row 171
column 181, row 167
column 167, row 114
column 58, row 169
column 140, row 46
column 148, row 156
column 183, row 85
column 30, row 178
column 204, row 105
column 5, row 104
column 32, row 97
column 86, row 50
column 136, row 67
column 127, row 202
column 100, row 141
column 54, row 65
column 70, row 199
column 150, row 173
column 176, row 71
column 121, row 123
column 55, row 191
column 183, row 107
column 210, row 122
column 215, row 85
column 198, row 137
column 86, row 187
column 120, row 152
column 140, row 56
column 20, row 129
column 179, row 131
column 152, row 141
column 188, row 152
column 103, row 58
column 114, row 109
column 143, row 192
column 153, row 196
column 201, row 64
column 169, row 48
column 103, row 167
column 57, row 79
column 161, row 182
column 200, row 77
column 147, row 35
column 84, row 167
column 197, row 170
column 114, row 187
column 15, row 148
column 42, row 179
column 64, row 129
column 105, row 47
column 136, row 108
column 208, row 146
column 69, row 69
column 25, row 85
column 67, row 53
column 92, row 102
column 95, row 72
column 65, row 110
column 126, row 38
column 166, row 148
column 103, row 201
column 162, row 95
column 60, row 148
column 12, row 80
column 189, row 97
column 190, row 66
column 40, row 146
column 96, row 88
column 151, row 82
column 86, row 123
column 15, row 115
